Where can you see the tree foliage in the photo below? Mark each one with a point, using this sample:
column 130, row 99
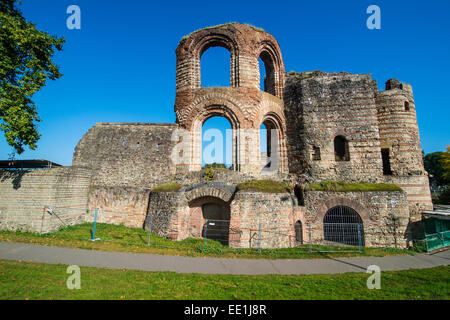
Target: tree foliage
column 435, row 167
column 446, row 164
column 25, row 65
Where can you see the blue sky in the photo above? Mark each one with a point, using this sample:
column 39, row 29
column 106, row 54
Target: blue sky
column 120, row 67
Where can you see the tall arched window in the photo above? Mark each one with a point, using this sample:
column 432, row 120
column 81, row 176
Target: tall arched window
column 341, row 151
column 270, row 145
column 267, row 73
column 217, row 142
column 215, row 67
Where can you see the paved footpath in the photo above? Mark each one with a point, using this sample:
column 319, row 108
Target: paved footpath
column 151, row 262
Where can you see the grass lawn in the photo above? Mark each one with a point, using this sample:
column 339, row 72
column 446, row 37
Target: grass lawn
column 125, row 239
column 27, row 280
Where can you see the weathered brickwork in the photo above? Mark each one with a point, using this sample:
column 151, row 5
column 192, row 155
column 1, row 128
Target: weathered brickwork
column 25, row 194
column 330, row 126
column 381, row 214
column 127, row 154
column 118, row 205
column 321, row 106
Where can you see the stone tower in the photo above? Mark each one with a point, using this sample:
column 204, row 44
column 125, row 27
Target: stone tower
column 400, row 144
column 243, row 104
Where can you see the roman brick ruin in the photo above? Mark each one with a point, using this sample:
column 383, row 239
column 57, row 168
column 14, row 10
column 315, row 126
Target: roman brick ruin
column 327, row 126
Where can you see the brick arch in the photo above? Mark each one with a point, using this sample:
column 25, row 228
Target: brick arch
column 340, row 201
column 208, row 191
column 191, row 49
column 207, row 108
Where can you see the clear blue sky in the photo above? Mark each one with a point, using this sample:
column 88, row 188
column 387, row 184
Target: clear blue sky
column 120, row 67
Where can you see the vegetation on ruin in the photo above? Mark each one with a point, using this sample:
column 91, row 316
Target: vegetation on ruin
column 26, row 64
column 341, row 186
column 125, row 239
column 220, row 166
column 269, row 186
column 168, row 187
column 32, row 281
column 221, row 25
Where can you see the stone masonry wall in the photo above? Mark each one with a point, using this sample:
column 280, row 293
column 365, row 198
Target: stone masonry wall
column 376, row 210
column 127, row 154
column 320, row 106
column 274, row 211
column 118, row 205
column 25, row 193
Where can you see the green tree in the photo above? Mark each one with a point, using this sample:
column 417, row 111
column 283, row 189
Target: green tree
column 25, row 65
column 446, row 164
column 435, row 168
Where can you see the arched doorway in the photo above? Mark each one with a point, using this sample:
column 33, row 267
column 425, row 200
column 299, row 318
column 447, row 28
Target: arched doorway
column 209, row 217
column 343, row 225
column 298, row 232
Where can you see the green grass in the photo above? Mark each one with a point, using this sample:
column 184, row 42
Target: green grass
column 264, row 186
column 341, row 186
column 168, row 187
column 125, row 239
column 27, row 280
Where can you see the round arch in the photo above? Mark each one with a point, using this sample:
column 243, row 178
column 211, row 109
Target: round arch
column 209, row 217
column 342, row 224
column 202, row 113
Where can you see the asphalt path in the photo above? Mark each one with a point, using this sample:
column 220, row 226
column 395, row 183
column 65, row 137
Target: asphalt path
column 152, row 262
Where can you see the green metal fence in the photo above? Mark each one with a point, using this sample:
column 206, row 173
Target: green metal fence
column 437, row 233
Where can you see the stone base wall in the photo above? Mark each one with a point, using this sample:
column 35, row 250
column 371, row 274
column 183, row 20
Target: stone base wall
column 25, row 194
column 118, row 205
column 271, row 212
column 378, row 211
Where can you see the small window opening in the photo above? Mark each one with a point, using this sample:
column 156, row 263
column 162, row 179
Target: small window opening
column 341, row 150
column 386, row 162
column 406, row 106
column 316, row 154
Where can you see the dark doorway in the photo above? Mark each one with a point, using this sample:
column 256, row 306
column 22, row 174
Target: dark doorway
column 343, row 225
column 298, row 232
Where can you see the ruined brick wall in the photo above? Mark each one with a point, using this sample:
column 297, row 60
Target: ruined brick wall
column 320, row 106
column 25, row 193
column 376, row 210
column 127, row 154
